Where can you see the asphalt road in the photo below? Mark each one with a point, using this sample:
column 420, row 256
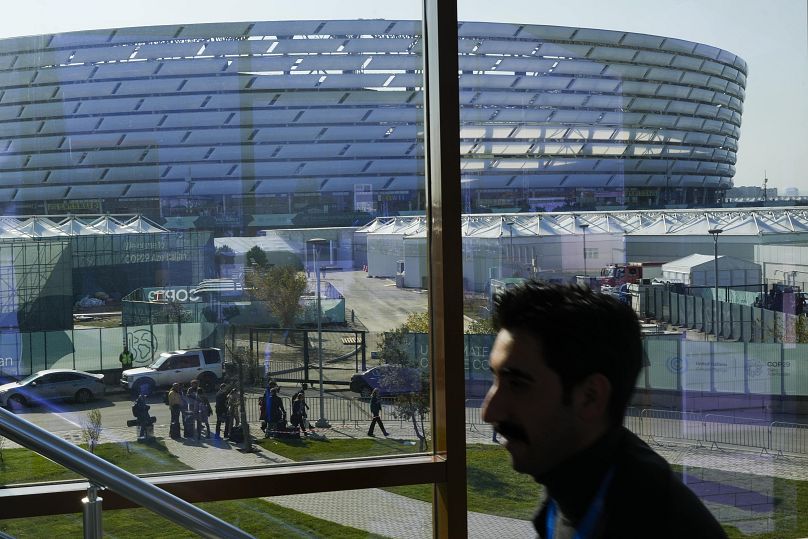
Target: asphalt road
column 378, row 304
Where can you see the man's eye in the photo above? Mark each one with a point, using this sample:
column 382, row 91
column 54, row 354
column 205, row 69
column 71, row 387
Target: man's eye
column 517, row 383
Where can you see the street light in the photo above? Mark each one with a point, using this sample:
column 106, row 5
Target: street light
column 510, row 258
column 584, row 227
column 717, row 310
column 322, row 422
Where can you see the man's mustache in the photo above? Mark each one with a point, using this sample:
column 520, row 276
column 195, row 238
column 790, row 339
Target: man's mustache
column 511, row 431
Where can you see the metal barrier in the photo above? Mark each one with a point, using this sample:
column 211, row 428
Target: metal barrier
column 737, row 431
column 672, row 425
column 633, row 420
column 789, row 438
column 338, row 410
column 711, row 430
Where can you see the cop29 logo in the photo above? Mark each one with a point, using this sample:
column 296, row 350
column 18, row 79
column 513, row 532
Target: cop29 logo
column 141, row 343
column 675, row 364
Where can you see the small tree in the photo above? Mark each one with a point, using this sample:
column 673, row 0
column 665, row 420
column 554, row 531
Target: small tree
column 412, row 406
column 257, row 257
column 417, row 323
column 91, row 429
column 280, row 287
column 2, row 450
column 483, row 326
column 801, row 329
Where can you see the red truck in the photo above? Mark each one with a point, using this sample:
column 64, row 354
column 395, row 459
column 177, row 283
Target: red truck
column 615, row 275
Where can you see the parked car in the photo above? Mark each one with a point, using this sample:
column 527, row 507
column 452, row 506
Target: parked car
column 52, row 384
column 389, row 379
column 203, row 364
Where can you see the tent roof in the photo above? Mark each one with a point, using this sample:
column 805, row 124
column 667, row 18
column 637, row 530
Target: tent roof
column 732, row 222
column 695, row 261
column 74, row 225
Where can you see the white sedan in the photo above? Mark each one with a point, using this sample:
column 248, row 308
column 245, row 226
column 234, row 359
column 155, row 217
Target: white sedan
column 52, row 384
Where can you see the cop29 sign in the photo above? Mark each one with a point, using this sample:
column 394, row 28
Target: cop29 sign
column 476, row 349
column 176, row 293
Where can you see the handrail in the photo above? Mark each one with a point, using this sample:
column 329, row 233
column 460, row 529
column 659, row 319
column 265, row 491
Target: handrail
column 105, row 474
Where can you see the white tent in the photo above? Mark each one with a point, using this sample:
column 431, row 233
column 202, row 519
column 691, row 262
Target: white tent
column 699, row 270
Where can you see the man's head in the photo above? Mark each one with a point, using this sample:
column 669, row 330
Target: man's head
column 194, row 384
column 565, row 362
column 175, row 386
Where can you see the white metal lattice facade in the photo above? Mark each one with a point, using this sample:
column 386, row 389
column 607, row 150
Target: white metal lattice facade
column 272, row 108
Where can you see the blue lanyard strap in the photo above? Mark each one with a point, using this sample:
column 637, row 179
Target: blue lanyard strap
column 590, row 520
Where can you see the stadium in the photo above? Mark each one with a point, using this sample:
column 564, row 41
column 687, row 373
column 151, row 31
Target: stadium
column 242, row 126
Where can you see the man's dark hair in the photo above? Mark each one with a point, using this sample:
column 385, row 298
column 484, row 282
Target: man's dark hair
column 581, row 332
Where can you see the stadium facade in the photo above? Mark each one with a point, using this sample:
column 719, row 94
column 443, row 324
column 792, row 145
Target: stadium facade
column 315, row 123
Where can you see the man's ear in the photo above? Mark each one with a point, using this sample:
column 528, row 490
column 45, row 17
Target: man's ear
column 592, row 397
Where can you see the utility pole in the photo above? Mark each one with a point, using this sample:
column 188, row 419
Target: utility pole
column 765, row 184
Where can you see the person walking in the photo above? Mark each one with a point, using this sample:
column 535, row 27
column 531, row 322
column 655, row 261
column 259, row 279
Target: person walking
column 233, row 419
column 203, row 413
column 221, row 412
column 299, row 414
column 191, row 422
column 141, row 412
column 375, row 411
column 175, row 406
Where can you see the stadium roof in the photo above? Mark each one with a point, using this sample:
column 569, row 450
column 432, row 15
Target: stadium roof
column 323, row 106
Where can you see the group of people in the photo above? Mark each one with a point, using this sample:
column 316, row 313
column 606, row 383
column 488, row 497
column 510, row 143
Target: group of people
column 273, row 413
column 190, row 410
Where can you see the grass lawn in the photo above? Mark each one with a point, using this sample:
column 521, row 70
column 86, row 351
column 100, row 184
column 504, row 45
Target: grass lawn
column 493, row 487
column 257, row 517
column 304, row 450
column 23, row 466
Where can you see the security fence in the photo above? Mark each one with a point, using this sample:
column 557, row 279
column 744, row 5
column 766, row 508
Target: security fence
column 339, row 411
column 730, row 319
column 97, row 349
column 713, row 431
column 719, row 431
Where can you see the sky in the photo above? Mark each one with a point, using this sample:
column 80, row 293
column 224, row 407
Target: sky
column 771, row 35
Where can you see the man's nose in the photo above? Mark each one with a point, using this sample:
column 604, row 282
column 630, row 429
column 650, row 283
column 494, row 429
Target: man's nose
column 489, row 411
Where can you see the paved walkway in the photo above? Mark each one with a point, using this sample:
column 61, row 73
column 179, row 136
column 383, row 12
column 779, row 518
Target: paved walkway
column 739, row 487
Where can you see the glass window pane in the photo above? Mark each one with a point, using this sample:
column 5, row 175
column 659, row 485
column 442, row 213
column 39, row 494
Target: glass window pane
column 245, row 197
column 611, row 152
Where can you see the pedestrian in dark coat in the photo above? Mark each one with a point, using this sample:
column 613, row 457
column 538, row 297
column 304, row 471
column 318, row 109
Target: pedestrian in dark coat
column 299, row 415
column 203, row 413
column 375, row 411
column 141, row 412
column 221, row 411
column 276, row 413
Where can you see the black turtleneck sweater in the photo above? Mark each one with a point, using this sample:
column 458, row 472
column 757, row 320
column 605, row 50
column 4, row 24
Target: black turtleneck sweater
column 644, row 498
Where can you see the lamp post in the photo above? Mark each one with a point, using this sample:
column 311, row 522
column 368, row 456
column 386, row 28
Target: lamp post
column 322, row 422
column 584, row 227
column 510, row 257
column 717, row 311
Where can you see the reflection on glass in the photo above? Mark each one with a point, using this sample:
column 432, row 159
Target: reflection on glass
column 608, row 152
column 213, row 198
